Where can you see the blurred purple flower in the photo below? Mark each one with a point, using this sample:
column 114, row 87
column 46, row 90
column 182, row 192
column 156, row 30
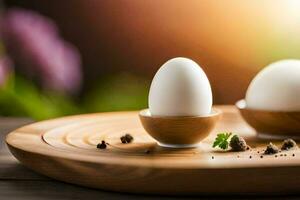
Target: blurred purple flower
column 35, row 43
column 5, row 69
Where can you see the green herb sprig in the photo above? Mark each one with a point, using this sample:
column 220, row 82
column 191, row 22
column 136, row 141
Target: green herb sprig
column 221, row 140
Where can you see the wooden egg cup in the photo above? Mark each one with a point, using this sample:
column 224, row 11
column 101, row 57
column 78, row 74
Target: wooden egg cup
column 179, row 132
column 271, row 124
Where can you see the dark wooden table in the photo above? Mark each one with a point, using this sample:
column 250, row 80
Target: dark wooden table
column 18, row 182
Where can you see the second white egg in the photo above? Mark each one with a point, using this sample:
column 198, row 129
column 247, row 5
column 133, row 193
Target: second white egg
column 276, row 87
column 180, row 88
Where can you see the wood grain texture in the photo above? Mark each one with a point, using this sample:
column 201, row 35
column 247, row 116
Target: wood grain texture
column 271, row 123
column 179, row 131
column 19, row 182
column 65, row 149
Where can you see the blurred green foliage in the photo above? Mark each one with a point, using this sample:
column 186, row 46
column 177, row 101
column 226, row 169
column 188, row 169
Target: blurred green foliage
column 21, row 97
column 119, row 92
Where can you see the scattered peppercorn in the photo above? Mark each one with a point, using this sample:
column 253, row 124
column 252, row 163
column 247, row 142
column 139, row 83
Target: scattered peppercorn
column 288, row 144
column 250, row 157
column 127, row 138
column 123, row 139
column 281, row 154
column 102, row 145
column 261, row 156
column 238, row 143
column 275, row 156
column 147, row 151
column 293, row 154
column 212, row 157
column 284, row 154
column 271, row 149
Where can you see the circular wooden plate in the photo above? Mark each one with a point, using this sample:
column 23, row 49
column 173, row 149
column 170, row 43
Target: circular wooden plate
column 65, row 149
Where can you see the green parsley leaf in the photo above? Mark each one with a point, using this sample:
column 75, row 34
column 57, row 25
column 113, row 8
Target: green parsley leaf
column 221, row 140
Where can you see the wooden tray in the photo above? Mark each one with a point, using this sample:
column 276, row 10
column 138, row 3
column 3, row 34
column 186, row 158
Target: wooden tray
column 65, row 149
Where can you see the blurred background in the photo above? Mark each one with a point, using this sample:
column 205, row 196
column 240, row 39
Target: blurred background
column 66, row 57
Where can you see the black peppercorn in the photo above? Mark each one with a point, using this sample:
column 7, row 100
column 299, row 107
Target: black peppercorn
column 127, row 138
column 238, row 143
column 147, row 151
column 293, row 154
column 271, row 149
column 102, row 145
column 288, row 144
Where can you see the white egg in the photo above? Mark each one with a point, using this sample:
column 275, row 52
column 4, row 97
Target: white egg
column 276, row 87
column 180, row 88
